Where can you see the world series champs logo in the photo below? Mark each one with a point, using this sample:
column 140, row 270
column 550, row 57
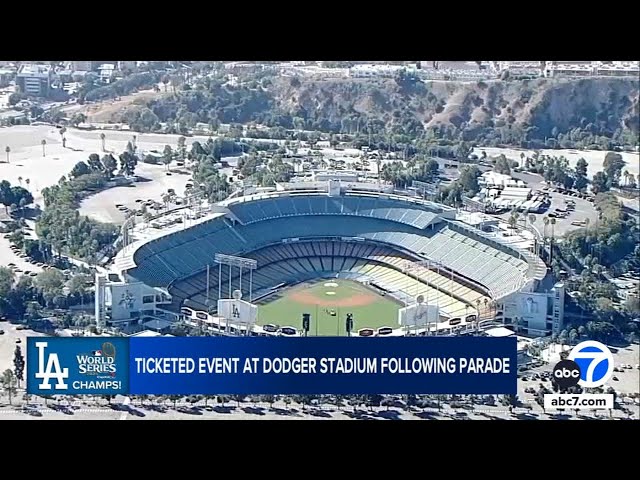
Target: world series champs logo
column 64, row 367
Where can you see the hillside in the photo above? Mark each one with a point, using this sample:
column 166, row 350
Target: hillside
column 529, row 113
column 599, row 106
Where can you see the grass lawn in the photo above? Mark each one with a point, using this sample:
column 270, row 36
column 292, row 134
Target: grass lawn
column 369, row 308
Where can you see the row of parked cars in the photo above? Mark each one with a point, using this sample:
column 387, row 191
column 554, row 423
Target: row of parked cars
column 27, row 259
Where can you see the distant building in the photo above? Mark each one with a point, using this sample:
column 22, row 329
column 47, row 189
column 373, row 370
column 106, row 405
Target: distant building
column 34, row 79
column 65, row 76
column 106, row 71
column 522, row 68
column 122, row 304
column 83, row 65
column 536, row 314
column 6, row 75
column 127, row 65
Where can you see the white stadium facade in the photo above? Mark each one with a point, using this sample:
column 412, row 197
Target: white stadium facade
column 182, row 262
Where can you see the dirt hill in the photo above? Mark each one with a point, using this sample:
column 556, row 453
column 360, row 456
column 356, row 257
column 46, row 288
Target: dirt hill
column 600, row 106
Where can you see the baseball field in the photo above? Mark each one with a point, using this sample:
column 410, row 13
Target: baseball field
column 328, row 302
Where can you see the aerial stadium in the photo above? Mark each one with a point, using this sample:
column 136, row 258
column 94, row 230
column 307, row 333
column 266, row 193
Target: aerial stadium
column 258, row 263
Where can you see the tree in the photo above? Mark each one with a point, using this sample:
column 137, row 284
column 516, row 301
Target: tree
column 469, row 179
column 62, row 131
column 77, row 118
column 612, row 167
column 44, row 144
column 167, row 156
column 102, row 141
column 27, row 182
column 94, row 163
column 6, row 282
column 78, row 284
column 573, row 336
column 14, row 99
column 600, row 183
column 109, row 164
column 182, row 149
column 9, row 384
column 502, row 165
column 581, row 167
column 128, row 163
column 7, row 151
column 80, row 168
column 50, row 282
column 18, row 364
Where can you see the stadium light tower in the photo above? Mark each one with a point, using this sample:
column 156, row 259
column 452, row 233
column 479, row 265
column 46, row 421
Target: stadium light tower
column 306, row 323
column 232, row 261
column 349, row 324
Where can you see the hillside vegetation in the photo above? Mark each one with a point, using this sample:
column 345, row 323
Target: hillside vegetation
column 569, row 113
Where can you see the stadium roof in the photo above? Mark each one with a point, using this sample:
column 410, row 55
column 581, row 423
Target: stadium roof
column 147, row 333
column 157, row 324
column 499, row 332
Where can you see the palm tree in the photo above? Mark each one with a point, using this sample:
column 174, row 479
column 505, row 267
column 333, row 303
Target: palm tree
column 62, row 131
column 20, row 180
column 102, row 139
column 553, row 222
column 27, row 182
column 8, row 151
column 625, row 174
column 587, row 221
column 165, row 199
column 44, row 144
column 513, row 219
column 546, row 222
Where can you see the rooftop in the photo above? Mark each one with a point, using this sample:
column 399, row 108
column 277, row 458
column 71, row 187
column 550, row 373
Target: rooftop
column 157, row 324
column 31, row 69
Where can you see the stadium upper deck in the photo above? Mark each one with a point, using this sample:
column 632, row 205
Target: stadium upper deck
column 418, row 229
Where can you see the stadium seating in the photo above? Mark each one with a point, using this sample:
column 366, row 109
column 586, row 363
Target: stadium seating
column 388, row 228
column 296, row 205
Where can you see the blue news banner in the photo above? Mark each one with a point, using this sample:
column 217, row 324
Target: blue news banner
column 260, row 365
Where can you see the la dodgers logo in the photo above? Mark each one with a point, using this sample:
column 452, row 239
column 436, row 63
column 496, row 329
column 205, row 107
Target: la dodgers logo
column 52, row 369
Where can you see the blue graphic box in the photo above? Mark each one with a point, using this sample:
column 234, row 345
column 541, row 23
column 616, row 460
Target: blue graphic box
column 76, row 366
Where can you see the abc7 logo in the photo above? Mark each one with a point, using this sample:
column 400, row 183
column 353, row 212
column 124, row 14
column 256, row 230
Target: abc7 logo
column 566, row 374
column 590, row 364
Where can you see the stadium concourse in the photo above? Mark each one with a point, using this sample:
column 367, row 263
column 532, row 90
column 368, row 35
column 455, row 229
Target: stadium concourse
column 402, row 247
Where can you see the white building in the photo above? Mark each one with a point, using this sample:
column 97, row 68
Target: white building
column 106, row 71
column 123, row 304
column 536, row 314
column 374, row 70
column 34, row 79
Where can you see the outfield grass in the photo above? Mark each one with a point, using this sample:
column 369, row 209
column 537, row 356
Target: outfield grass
column 288, row 309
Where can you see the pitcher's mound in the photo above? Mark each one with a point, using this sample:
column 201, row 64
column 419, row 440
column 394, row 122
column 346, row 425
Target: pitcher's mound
column 330, row 293
column 331, row 284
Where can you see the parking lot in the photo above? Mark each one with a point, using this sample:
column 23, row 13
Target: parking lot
column 102, row 206
column 12, row 258
column 8, row 341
